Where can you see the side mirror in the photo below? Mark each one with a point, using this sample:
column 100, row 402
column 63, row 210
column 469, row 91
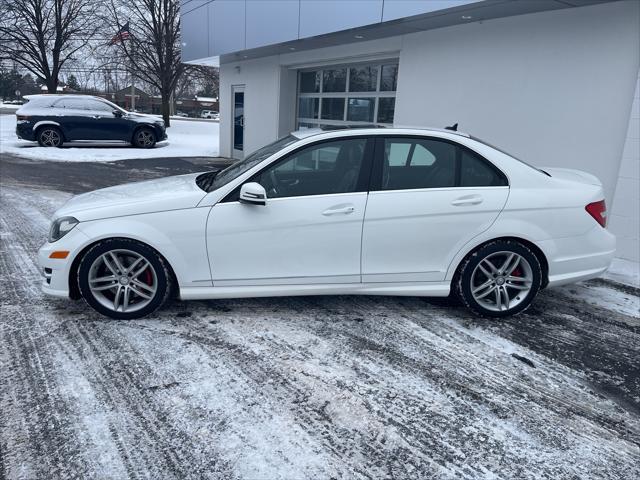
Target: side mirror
column 117, row 113
column 253, row 193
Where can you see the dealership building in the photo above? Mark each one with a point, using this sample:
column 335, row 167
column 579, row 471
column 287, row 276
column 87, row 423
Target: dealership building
column 553, row 82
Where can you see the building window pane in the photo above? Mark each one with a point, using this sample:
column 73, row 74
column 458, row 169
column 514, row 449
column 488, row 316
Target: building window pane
column 333, row 108
column 361, row 109
column 363, row 79
column 334, row 80
column 389, row 78
column 308, row 107
column 309, row 82
column 303, row 125
column 386, row 108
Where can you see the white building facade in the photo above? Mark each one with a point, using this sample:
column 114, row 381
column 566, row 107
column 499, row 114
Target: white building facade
column 553, row 82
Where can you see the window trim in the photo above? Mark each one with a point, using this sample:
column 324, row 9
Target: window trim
column 375, row 185
column 362, row 185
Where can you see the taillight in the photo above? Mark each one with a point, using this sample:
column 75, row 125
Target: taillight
column 23, row 117
column 598, row 210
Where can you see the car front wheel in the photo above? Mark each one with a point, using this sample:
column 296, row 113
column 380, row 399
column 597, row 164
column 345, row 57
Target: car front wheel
column 50, row 137
column 500, row 279
column 123, row 279
column 144, row 138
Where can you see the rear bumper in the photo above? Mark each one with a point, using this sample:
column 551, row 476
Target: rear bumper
column 24, row 130
column 574, row 259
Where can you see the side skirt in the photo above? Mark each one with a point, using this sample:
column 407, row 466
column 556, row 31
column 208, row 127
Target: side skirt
column 422, row 289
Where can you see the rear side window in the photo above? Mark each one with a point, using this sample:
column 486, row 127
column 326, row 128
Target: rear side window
column 72, row 104
column 477, row 172
column 410, row 163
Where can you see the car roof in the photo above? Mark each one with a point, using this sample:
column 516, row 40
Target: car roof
column 368, row 130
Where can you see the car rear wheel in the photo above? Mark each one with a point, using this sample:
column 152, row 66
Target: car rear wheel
column 500, row 279
column 144, row 138
column 123, row 279
column 50, row 137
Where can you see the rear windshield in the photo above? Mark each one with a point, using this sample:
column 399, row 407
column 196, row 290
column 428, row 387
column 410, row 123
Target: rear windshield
column 507, row 154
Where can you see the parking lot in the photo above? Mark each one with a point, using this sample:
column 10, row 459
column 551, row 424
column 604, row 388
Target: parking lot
column 305, row 387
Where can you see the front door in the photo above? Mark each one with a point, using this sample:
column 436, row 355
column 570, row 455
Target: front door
column 237, row 135
column 431, row 197
column 310, row 230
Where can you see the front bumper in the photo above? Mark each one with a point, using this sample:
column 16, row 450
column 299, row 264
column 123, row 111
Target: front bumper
column 55, row 271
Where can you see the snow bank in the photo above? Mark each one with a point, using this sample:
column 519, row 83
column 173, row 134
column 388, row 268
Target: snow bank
column 186, row 139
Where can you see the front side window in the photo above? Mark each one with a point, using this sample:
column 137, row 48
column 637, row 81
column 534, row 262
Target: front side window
column 325, row 168
column 410, row 163
column 95, row 105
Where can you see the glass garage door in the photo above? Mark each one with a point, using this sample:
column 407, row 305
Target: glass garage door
column 347, row 95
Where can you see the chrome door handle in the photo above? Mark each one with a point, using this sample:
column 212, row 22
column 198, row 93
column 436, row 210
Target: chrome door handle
column 467, row 200
column 336, row 211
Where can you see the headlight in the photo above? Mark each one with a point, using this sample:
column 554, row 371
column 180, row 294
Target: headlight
column 60, row 227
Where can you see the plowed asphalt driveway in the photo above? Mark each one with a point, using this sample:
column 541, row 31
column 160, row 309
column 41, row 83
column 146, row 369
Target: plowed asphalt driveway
column 302, row 388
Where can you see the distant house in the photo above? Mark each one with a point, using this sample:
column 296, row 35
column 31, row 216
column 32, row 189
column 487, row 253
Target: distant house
column 146, row 103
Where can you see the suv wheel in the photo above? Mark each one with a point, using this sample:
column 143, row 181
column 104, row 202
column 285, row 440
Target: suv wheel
column 49, row 137
column 500, row 279
column 144, row 138
column 123, row 279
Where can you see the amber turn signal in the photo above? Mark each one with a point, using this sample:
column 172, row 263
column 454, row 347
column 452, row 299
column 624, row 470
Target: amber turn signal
column 59, row 254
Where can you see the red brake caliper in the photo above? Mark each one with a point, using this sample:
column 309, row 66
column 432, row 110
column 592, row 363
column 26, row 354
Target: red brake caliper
column 147, row 277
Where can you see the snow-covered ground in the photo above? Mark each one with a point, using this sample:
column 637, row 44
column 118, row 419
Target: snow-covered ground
column 187, row 138
column 309, row 387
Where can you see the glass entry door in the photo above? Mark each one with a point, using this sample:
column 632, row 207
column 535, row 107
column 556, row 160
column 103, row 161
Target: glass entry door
column 238, row 121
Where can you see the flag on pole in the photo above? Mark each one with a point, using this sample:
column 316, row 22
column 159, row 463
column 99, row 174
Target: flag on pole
column 122, row 35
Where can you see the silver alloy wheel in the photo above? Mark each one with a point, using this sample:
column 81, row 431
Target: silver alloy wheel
column 501, row 281
column 123, row 280
column 50, row 138
column 145, row 138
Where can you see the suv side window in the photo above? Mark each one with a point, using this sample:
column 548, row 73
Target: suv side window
column 71, row 104
column 96, row 105
column 324, row 168
column 412, row 163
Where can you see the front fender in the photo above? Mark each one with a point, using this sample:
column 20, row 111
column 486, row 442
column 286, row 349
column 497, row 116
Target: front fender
column 178, row 235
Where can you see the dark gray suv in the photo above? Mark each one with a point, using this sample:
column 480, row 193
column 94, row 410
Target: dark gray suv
column 52, row 120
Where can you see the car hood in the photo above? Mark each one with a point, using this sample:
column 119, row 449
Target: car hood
column 142, row 118
column 169, row 193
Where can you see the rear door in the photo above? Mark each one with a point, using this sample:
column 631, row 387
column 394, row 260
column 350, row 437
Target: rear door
column 429, row 197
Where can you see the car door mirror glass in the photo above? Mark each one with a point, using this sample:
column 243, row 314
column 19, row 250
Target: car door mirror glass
column 253, row 193
column 117, row 113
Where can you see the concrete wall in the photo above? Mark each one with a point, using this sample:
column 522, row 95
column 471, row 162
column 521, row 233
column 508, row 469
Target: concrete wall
column 553, row 88
column 624, row 220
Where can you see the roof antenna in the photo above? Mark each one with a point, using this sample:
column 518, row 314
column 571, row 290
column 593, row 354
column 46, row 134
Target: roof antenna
column 453, row 127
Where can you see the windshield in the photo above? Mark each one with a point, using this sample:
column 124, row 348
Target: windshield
column 219, row 179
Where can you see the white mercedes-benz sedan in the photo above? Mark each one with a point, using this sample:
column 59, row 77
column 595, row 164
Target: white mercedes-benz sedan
column 362, row 211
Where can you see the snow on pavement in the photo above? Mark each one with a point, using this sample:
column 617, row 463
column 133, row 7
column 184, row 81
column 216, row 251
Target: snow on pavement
column 187, row 138
column 309, row 387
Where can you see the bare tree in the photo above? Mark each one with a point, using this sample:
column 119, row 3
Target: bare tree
column 153, row 46
column 42, row 35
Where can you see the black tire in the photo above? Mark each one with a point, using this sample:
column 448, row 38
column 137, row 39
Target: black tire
column 50, row 136
column 160, row 269
column 144, row 137
column 463, row 280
